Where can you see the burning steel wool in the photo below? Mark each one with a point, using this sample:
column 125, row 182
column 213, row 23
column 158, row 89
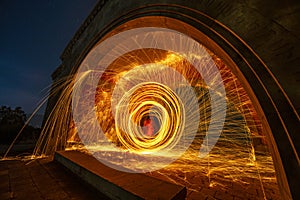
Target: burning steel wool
column 155, row 101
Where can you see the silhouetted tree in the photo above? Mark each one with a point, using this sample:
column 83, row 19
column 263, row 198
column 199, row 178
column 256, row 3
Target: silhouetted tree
column 9, row 116
column 11, row 122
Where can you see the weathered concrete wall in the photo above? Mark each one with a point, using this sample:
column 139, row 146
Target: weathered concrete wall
column 268, row 27
column 261, row 37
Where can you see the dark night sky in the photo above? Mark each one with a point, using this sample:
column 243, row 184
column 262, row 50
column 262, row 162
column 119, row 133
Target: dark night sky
column 33, row 34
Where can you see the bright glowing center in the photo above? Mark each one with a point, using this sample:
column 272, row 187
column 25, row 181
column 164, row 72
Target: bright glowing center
column 149, row 125
column 140, row 111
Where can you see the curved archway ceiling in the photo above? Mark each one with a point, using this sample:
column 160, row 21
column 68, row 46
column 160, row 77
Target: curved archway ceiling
column 240, row 154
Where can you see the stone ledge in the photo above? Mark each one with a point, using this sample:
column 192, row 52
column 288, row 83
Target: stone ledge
column 116, row 184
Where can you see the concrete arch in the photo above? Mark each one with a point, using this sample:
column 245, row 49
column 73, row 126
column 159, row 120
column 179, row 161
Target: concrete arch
column 258, row 44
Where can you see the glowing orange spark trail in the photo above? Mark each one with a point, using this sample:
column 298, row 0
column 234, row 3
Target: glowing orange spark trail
column 175, row 111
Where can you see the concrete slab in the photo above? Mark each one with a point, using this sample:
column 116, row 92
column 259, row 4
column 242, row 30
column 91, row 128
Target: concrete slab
column 116, row 184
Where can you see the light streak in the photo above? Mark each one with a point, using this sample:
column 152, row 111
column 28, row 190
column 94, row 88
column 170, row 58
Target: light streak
column 150, row 99
column 183, row 93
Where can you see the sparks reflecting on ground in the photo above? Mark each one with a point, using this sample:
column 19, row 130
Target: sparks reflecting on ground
column 176, row 112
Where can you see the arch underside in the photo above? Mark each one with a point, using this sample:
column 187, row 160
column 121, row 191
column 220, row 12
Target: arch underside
column 277, row 114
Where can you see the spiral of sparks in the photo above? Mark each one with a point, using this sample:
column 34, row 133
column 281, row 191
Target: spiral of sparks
column 159, row 89
column 152, row 100
column 155, row 100
column 145, row 92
